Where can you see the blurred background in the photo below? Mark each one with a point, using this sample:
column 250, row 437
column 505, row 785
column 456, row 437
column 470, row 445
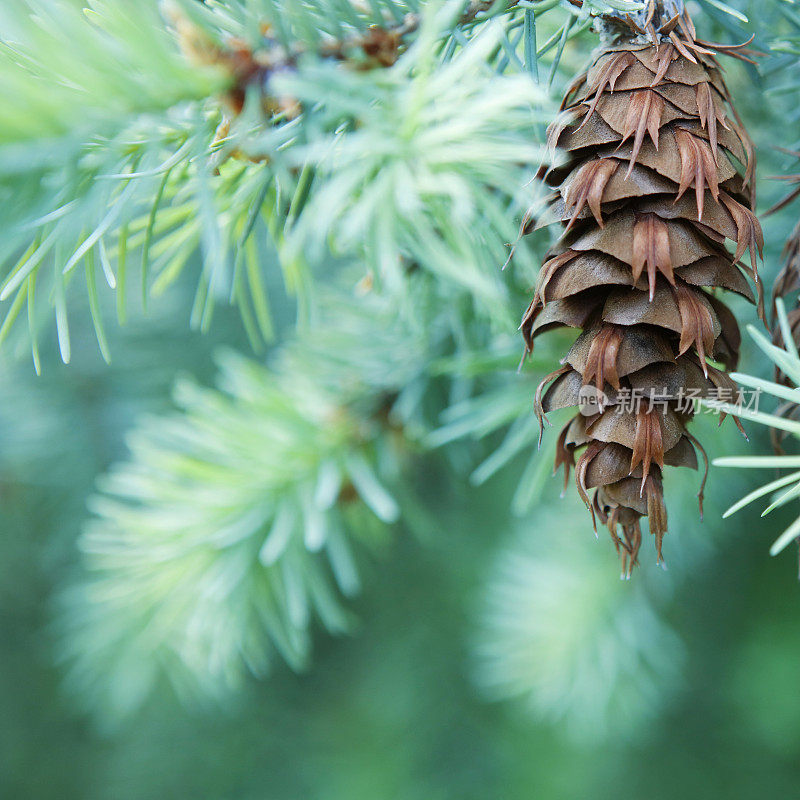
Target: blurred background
column 492, row 651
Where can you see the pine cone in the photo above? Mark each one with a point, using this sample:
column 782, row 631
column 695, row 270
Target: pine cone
column 788, row 279
column 648, row 195
column 787, row 282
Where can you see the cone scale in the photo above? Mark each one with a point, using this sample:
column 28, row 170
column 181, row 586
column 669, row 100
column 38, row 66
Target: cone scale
column 655, row 198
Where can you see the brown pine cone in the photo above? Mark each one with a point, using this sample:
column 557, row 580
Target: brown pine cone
column 787, row 282
column 659, row 173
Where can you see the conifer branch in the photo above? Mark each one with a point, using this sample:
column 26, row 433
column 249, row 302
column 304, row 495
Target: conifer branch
column 238, row 522
column 783, row 423
column 165, row 170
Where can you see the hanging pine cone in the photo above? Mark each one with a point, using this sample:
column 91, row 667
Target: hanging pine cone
column 649, row 193
column 787, row 282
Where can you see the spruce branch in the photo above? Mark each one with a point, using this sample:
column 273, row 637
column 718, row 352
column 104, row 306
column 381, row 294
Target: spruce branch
column 786, row 488
column 237, row 523
column 424, row 162
column 131, row 155
column 89, row 147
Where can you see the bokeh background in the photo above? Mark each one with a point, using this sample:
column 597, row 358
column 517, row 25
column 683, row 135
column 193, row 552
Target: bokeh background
column 495, row 654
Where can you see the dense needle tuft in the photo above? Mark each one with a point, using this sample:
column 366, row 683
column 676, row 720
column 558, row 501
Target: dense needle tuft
column 658, row 178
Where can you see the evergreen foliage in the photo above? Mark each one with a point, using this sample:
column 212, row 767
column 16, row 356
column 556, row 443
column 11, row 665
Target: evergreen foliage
column 350, row 178
column 786, row 487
